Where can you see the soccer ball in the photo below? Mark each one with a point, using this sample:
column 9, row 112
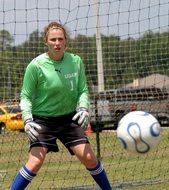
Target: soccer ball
column 139, row 132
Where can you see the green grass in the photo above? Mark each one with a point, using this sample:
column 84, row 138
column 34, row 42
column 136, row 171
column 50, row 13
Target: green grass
column 60, row 170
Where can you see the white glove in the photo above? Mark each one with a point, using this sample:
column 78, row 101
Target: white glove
column 82, row 116
column 31, row 128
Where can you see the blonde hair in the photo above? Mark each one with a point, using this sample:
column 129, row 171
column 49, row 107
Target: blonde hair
column 54, row 25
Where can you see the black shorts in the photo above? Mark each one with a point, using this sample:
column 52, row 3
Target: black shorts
column 62, row 128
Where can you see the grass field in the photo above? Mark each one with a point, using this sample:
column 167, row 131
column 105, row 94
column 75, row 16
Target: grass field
column 62, row 171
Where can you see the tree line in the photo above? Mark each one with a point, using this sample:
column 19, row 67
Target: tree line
column 123, row 59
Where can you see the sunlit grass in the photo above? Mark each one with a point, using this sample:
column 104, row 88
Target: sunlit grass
column 61, row 170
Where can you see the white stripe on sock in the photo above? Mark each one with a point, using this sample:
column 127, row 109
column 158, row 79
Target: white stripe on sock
column 97, row 171
column 24, row 173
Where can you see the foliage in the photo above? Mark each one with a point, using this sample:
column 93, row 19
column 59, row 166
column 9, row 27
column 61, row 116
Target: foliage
column 5, row 39
column 123, row 59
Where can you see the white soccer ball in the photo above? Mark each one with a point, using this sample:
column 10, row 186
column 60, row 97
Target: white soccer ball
column 139, row 132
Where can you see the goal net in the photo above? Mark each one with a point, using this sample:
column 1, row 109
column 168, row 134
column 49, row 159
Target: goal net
column 125, row 48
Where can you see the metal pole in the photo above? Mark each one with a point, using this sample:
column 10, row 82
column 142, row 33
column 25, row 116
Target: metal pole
column 100, row 72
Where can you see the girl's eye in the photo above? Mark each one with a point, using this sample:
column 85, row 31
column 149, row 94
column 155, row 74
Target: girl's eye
column 53, row 39
column 60, row 39
column 56, row 39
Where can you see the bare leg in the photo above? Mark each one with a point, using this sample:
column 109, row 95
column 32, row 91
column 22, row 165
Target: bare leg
column 27, row 172
column 85, row 154
column 36, row 157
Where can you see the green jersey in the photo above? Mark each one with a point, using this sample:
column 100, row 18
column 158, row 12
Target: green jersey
column 54, row 88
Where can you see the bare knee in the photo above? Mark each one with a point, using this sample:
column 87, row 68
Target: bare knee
column 86, row 155
column 90, row 161
column 36, row 158
column 34, row 164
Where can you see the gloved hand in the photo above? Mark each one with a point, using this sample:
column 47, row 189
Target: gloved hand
column 82, row 117
column 32, row 128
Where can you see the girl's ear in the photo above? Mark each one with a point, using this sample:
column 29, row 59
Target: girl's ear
column 44, row 40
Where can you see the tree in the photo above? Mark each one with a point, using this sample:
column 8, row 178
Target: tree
column 5, row 40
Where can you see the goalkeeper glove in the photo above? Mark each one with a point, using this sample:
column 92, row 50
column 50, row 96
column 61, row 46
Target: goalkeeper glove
column 32, row 128
column 82, row 117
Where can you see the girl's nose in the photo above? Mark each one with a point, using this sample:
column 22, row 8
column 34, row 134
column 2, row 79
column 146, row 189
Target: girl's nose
column 56, row 41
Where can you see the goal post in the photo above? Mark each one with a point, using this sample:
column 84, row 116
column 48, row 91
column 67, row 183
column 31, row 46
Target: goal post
column 99, row 52
column 125, row 48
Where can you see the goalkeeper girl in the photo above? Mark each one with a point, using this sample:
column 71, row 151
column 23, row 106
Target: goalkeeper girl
column 54, row 104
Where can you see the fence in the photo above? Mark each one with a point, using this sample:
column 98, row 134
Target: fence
column 125, row 49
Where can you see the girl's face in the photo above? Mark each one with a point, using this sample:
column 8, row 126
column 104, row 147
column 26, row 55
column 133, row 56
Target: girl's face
column 56, row 41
